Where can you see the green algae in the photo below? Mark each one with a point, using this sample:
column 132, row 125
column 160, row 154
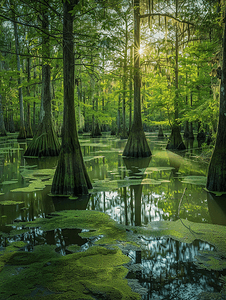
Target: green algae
column 97, row 272
column 107, row 184
column 41, row 173
column 210, row 260
column 150, row 170
column 197, row 180
column 10, row 202
column 37, row 185
column 83, row 219
column 39, row 179
column 90, row 158
column 7, row 182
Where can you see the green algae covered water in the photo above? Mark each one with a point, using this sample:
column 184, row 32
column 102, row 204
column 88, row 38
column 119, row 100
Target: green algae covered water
column 165, row 187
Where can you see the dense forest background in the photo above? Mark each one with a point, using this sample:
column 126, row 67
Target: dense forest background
column 180, row 56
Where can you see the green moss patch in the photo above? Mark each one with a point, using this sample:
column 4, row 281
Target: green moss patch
column 211, row 261
column 99, row 223
column 97, row 273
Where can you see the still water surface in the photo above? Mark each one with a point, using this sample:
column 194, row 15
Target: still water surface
column 132, row 192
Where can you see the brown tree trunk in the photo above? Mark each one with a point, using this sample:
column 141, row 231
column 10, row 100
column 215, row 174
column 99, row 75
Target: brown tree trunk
column 71, row 177
column 29, row 132
column 175, row 141
column 2, row 124
column 124, row 134
column 216, row 178
column 137, row 145
column 45, row 141
column 22, row 133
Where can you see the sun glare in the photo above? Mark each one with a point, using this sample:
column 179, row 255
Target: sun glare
column 141, row 51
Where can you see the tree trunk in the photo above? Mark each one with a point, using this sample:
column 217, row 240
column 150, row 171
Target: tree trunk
column 71, row 177
column 2, row 124
column 29, row 132
column 124, row 134
column 130, row 88
column 137, row 145
column 22, row 133
column 217, row 168
column 45, row 141
column 160, row 133
column 186, row 130
column 175, row 141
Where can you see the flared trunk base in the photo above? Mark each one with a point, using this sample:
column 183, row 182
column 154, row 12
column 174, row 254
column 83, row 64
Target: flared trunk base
column 175, row 141
column 137, row 145
column 44, row 143
column 71, row 177
column 22, row 134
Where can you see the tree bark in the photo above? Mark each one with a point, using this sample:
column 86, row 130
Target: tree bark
column 45, row 141
column 2, row 124
column 71, row 177
column 175, row 141
column 29, row 132
column 217, row 168
column 137, row 145
column 124, row 134
column 22, row 133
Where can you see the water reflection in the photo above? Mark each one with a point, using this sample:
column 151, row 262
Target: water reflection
column 135, row 166
column 168, row 271
column 127, row 203
column 168, row 266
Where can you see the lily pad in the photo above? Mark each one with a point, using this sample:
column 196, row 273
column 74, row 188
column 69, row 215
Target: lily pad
column 107, row 185
column 7, row 182
column 93, row 144
column 10, row 202
column 89, row 158
column 150, row 170
column 197, row 180
column 34, row 174
column 34, row 186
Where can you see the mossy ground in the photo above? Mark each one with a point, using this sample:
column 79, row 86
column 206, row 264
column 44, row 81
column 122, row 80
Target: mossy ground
column 99, row 272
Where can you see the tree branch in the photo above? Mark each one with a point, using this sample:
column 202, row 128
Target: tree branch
column 165, row 15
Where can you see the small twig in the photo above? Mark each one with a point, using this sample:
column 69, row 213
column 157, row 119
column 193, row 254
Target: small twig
column 178, row 212
column 192, row 231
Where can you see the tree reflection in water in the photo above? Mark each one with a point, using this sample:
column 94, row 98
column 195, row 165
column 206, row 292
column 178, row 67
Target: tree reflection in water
column 169, row 272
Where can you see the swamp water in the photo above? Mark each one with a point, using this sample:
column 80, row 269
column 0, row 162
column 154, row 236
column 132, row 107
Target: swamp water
column 165, row 187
